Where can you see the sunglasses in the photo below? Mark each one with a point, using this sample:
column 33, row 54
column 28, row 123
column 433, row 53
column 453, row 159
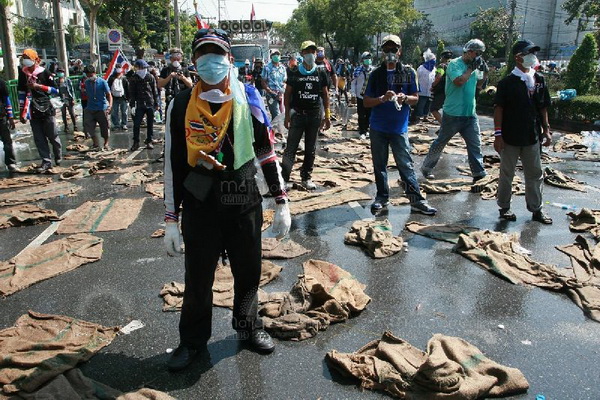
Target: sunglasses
column 390, row 49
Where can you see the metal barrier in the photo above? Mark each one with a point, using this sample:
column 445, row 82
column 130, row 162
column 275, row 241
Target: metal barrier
column 14, row 95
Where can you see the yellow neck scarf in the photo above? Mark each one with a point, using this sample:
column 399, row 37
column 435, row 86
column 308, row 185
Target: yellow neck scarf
column 203, row 130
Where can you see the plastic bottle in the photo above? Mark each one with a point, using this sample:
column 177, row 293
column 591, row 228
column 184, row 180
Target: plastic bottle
column 562, row 205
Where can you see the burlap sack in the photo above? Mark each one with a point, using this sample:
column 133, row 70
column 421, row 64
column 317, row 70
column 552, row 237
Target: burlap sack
column 136, row 178
column 586, row 220
column 330, row 198
column 38, row 193
column 445, row 232
column 277, row 249
column 40, row 347
column 450, row 369
column 102, row 216
column 23, row 181
column 556, row 178
column 26, row 214
column 375, row 237
column 51, row 259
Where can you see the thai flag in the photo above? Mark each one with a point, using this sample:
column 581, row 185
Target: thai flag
column 197, row 126
column 201, row 24
column 252, row 13
column 118, row 58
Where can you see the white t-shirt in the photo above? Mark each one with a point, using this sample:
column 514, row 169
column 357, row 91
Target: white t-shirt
column 426, row 79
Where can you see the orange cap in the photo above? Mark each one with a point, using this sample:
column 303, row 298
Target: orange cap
column 32, row 54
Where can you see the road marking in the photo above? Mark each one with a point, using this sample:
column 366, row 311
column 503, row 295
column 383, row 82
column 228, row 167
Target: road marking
column 592, row 188
column 360, row 211
column 134, row 154
column 49, row 231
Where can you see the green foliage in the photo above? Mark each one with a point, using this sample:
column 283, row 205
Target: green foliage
column 418, row 34
column 581, row 72
column 441, row 46
column 581, row 108
column 34, row 32
column 415, row 58
column 345, row 24
column 74, row 36
column 491, row 26
column 581, row 8
column 510, row 62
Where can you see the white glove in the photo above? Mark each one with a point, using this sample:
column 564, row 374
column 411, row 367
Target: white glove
column 281, row 221
column 173, row 239
column 132, row 109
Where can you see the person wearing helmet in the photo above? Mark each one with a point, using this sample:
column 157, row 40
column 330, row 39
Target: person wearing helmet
column 359, row 84
column 465, row 75
column 438, row 90
column 391, row 89
column 521, row 121
column 214, row 133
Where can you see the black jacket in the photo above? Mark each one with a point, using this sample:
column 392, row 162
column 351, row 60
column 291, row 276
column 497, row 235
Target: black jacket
column 143, row 92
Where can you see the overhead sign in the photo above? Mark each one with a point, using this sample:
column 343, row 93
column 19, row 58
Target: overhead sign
column 115, row 39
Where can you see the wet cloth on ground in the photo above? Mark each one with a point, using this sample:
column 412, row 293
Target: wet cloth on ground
column 586, row 220
column 278, row 249
column 556, row 178
column 156, row 189
column 329, row 198
column 502, row 255
column 102, row 216
column 268, row 216
column 10, row 183
column 445, row 232
column 74, row 385
column 441, row 186
column 37, row 193
column 48, row 260
column 172, row 293
column 40, row 347
column 25, row 214
column 450, row 369
column 375, row 237
column 323, row 295
column 137, row 178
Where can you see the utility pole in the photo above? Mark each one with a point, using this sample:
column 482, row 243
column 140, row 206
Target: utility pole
column 168, row 24
column 550, row 28
column 511, row 29
column 61, row 46
column 177, row 29
column 218, row 11
column 8, row 42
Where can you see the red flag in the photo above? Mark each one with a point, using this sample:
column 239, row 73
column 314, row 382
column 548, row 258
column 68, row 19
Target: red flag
column 252, row 13
column 201, row 24
column 118, row 58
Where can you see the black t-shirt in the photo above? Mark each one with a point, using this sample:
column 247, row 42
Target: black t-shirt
column 307, row 89
column 257, row 77
column 40, row 101
column 521, row 118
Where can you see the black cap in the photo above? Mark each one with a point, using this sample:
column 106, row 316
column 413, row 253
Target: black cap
column 211, row 35
column 89, row 69
column 524, row 47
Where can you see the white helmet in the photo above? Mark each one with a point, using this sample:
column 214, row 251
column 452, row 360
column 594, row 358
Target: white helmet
column 365, row 55
column 474, row 45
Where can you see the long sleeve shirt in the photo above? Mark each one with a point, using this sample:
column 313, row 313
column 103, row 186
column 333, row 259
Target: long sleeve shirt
column 5, row 99
column 40, row 97
column 143, row 92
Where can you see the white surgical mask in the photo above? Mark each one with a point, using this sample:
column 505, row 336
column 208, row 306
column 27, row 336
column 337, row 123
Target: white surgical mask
column 309, row 59
column 215, row 96
column 142, row 73
column 27, row 62
column 529, row 60
column 176, row 64
column 118, row 70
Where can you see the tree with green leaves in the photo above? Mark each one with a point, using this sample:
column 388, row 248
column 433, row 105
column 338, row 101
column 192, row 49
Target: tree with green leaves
column 581, row 72
column 7, row 40
column 492, row 26
column 581, row 8
column 418, row 34
column 441, row 46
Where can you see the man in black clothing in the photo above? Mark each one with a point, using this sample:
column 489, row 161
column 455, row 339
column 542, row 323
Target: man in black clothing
column 306, row 88
column 144, row 96
column 7, row 123
column 257, row 76
column 439, row 85
column 35, row 85
column 209, row 170
column 521, row 121
column 175, row 77
column 244, row 72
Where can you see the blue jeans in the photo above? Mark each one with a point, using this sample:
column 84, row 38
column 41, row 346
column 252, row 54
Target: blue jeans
column 422, row 109
column 273, row 104
column 119, row 110
column 468, row 127
column 140, row 111
column 380, row 150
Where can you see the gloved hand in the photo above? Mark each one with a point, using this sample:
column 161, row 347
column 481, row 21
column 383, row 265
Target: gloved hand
column 281, row 221
column 173, row 239
column 476, row 63
column 132, row 110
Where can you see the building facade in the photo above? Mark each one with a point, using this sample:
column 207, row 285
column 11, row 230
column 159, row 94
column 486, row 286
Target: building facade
column 542, row 21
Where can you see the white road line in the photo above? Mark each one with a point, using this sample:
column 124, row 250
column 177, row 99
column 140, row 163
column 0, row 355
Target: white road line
column 361, row 212
column 49, row 231
column 592, row 188
column 134, row 154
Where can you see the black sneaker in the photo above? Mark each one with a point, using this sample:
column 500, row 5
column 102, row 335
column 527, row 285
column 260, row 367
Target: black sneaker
column 541, row 216
column 182, row 357
column 423, row 208
column 259, row 340
column 135, row 146
column 46, row 165
column 379, row 204
column 506, row 214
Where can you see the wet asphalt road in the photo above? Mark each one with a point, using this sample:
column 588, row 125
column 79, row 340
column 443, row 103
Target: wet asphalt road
column 417, row 293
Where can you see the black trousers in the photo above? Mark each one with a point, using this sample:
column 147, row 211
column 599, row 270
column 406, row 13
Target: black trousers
column 9, row 152
column 363, row 116
column 306, row 124
column 207, row 230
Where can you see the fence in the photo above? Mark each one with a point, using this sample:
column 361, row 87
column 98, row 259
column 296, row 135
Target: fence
column 14, row 95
